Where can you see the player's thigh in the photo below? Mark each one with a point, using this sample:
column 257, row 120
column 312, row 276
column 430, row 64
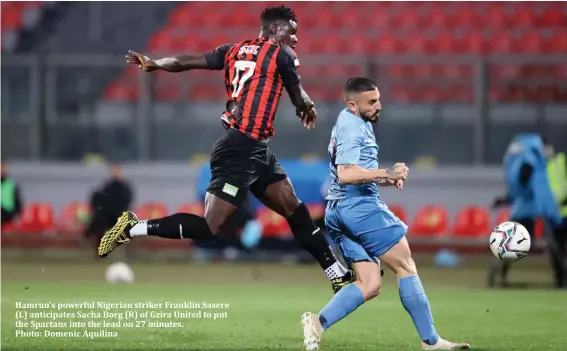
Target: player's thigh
column 399, row 260
column 217, row 213
column 351, row 250
column 233, row 170
column 374, row 227
column 274, row 189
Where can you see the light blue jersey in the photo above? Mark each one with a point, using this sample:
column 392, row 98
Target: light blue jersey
column 352, row 142
column 359, row 223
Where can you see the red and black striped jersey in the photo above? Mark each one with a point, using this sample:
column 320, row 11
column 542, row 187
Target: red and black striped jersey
column 256, row 72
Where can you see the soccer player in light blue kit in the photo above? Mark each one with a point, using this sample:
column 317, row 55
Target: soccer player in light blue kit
column 362, row 226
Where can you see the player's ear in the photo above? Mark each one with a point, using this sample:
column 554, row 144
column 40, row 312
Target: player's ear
column 273, row 28
column 351, row 105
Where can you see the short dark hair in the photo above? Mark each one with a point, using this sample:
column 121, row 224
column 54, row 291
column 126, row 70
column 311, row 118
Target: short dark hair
column 278, row 13
column 359, row 85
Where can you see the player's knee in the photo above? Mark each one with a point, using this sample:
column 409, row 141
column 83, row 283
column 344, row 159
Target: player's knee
column 215, row 225
column 370, row 288
column 370, row 285
column 374, row 289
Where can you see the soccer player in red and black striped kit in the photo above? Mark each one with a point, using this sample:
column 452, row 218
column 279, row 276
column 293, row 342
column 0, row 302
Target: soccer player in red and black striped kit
column 256, row 72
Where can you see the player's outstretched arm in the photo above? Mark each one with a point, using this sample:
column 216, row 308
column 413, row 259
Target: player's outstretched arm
column 213, row 60
column 170, row 64
column 182, row 63
column 354, row 174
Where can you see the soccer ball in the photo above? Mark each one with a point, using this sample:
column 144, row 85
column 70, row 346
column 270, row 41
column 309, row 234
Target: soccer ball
column 119, row 272
column 510, row 241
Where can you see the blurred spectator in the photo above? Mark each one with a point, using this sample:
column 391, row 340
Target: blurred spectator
column 529, row 194
column 557, row 175
column 11, row 199
column 108, row 202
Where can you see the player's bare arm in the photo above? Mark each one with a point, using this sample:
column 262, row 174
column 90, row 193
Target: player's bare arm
column 173, row 64
column 305, row 107
column 353, row 174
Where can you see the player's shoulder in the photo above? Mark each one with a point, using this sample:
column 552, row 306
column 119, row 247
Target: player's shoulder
column 348, row 120
column 348, row 123
column 288, row 52
column 287, row 49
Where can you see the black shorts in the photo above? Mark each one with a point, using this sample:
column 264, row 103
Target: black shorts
column 239, row 164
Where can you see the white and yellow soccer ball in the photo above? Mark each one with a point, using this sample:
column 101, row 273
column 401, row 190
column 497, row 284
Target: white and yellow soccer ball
column 510, row 241
column 119, row 273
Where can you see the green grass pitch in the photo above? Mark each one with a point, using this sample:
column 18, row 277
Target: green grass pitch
column 265, row 303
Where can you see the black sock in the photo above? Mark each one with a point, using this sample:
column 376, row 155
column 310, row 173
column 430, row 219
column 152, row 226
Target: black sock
column 180, row 226
column 310, row 237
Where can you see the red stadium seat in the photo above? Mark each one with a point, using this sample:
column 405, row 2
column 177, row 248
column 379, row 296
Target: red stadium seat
column 151, row 210
column 504, row 216
column 472, row 221
column 122, row 91
column 539, row 228
column 196, row 208
column 431, row 220
column 36, row 218
column 75, row 217
column 273, row 225
column 552, row 17
column 12, row 13
column 400, row 212
column 557, row 43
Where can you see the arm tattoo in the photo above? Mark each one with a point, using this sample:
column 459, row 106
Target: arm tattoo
column 345, row 167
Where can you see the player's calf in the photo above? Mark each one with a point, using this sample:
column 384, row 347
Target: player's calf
column 311, row 239
column 367, row 286
column 177, row 226
column 413, row 297
column 412, row 294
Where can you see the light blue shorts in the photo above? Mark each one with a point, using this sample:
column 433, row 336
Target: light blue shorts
column 363, row 228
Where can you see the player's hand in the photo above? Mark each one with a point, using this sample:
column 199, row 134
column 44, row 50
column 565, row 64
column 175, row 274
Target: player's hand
column 144, row 62
column 399, row 184
column 398, row 172
column 308, row 118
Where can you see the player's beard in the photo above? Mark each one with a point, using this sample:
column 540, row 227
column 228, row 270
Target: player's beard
column 370, row 117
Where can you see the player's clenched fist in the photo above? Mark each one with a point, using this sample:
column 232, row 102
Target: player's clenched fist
column 144, row 62
column 398, row 172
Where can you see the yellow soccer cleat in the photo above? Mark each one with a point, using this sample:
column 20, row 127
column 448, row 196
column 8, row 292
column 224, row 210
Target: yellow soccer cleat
column 118, row 234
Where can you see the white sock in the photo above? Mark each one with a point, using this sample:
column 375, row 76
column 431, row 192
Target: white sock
column 140, row 228
column 336, row 271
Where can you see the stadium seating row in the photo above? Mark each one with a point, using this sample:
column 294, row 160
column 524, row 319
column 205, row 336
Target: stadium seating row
column 369, row 15
column 388, row 42
column 460, row 92
column 398, row 28
column 13, row 13
column 429, row 221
